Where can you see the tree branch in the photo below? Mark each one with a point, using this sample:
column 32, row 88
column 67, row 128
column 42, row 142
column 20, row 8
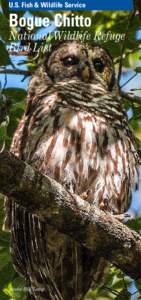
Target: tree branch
column 15, row 72
column 19, row 53
column 131, row 97
column 71, row 215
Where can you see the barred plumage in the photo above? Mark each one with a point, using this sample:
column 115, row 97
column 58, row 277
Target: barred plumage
column 76, row 131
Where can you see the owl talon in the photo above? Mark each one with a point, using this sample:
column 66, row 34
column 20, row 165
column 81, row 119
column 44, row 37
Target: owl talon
column 87, row 196
column 104, row 205
column 84, row 196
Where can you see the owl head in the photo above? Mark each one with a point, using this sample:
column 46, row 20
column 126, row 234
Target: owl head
column 74, row 59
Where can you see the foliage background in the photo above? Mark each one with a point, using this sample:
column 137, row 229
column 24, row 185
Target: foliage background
column 14, row 87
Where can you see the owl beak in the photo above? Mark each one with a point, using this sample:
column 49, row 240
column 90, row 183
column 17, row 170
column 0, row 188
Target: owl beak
column 86, row 71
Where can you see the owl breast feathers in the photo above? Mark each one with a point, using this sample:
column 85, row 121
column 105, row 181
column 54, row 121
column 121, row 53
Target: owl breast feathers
column 76, row 131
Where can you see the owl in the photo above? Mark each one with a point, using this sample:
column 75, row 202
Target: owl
column 76, row 131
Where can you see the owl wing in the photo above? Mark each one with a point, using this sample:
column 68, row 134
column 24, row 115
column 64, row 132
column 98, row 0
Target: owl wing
column 21, row 136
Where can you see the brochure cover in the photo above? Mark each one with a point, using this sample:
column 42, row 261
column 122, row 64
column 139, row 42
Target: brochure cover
column 70, row 148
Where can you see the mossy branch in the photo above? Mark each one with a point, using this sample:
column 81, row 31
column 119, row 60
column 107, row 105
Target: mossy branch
column 96, row 230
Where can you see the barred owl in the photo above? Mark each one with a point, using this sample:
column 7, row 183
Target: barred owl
column 76, row 131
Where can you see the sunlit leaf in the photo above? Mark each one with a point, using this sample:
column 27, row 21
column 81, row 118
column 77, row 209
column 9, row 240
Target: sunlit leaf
column 138, row 133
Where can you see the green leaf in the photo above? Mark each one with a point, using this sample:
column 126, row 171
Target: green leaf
column 137, row 89
column 4, row 27
column 123, row 297
column 15, row 115
column 4, row 56
column 4, row 256
column 7, row 275
column 16, row 94
column 3, row 296
column 9, row 290
column 5, row 7
column 16, row 289
column 135, row 224
column 4, row 239
column 138, row 70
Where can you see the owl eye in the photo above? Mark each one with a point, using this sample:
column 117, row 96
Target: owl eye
column 98, row 64
column 70, row 61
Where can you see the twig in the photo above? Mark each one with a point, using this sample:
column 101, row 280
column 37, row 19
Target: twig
column 19, row 53
column 131, row 97
column 114, row 292
column 124, row 42
column 117, row 59
column 132, row 77
column 15, row 72
column 5, row 81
